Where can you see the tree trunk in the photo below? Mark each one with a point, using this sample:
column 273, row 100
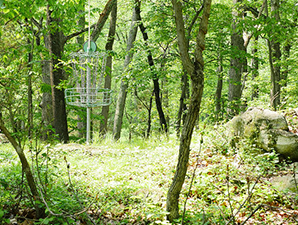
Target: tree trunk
column 182, row 105
column 274, row 57
column 149, row 116
column 104, row 15
column 162, row 119
column 124, row 82
column 285, row 73
column 56, row 48
column 81, row 124
column 219, row 86
column 56, row 41
column 108, row 81
column 255, row 68
column 46, row 103
column 185, row 81
column 236, row 66
column 29, row 90
column 195, row 69
column 40, row 210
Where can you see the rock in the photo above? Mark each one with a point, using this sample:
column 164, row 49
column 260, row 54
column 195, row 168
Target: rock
column 285, row 183
column 268, row 129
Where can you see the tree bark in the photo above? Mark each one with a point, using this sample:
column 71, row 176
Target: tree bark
column 182, row 105
column 236, row 66
column 274, row 57
column 195, row 69
column 56, row 49
column 185, row 80
column 108, row 73
column 219, row 86
column 255, row 68
column 285, row 73
column 162, row 119
column 46, row 103
column 40, row 211
column 81, row 124
column 29, row 81
column 104, row 15
column 149, row 116
column 124, row 82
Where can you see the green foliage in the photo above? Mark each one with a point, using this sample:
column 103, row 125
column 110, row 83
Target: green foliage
column 126, row 182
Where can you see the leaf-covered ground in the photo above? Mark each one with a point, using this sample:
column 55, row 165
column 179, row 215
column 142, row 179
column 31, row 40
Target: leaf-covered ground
column 126, row 183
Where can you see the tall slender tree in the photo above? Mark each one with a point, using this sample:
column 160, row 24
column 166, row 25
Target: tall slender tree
column 195, row 69
column 274, row 57
column 108, row 67
column 158, row 102
column 185, row 79
column 81, row 124
column 124, row 82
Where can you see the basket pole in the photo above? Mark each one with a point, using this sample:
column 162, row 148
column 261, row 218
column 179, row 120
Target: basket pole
column 88, row 85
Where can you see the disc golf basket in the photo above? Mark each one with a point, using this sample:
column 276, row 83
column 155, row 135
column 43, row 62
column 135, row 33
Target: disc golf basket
column 88, row 91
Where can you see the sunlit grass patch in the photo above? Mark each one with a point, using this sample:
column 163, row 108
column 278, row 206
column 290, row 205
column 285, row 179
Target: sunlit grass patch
column 126, row 182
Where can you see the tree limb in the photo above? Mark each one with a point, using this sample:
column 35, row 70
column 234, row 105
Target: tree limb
column 102, row 19
column 75, row 34
column 182, row 42
column 189, row 29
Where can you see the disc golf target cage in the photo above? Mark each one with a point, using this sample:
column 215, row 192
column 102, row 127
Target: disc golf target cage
column 89, row 89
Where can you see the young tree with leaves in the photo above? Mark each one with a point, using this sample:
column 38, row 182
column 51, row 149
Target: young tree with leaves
column 195, row 69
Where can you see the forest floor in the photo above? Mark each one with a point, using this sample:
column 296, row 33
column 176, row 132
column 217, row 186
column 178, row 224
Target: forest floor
column 127, row 183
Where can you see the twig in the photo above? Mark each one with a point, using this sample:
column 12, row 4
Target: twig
column 252, row 213
column 247, row 199
column 289, row 213
column 63, row 214
column 48, row 208
column 229, row 195
column 221, row 212
column 76, row 194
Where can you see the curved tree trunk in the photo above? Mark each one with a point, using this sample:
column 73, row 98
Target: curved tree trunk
column 195, row 69
column 185, row 81
column 124, row 82
column 108, row 81
column 40, row 210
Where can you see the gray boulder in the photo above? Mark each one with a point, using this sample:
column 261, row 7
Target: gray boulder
column 268, row 129
column 285, row 183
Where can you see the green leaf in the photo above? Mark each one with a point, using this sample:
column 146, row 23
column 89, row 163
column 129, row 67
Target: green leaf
column 45, row 88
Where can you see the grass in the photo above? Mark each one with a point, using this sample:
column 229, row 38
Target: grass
column 126, row 183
